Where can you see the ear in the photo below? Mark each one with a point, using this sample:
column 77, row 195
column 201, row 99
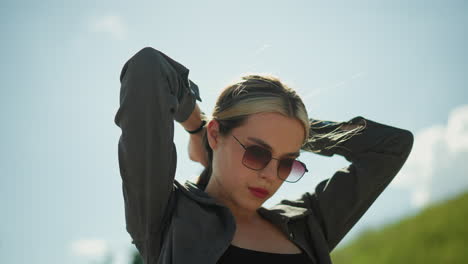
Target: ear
column 212, row 133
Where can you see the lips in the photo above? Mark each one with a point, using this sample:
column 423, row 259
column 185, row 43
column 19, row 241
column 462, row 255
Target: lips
column 259, row 192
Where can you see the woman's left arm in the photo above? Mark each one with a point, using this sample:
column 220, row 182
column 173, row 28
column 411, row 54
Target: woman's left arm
column 376, row 151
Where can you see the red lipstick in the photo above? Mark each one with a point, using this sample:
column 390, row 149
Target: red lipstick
column 259, row 192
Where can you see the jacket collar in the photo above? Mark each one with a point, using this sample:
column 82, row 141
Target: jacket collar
column 280, row 213
column 194, row 192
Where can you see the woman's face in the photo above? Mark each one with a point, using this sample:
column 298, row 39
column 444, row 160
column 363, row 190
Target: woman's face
column 231, row 180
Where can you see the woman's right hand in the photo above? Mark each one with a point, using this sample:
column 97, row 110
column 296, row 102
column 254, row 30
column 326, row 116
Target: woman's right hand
column 196, row 149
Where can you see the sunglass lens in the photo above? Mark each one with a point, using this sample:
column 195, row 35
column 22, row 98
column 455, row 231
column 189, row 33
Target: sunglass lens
column 290, row 170
column 256, row 157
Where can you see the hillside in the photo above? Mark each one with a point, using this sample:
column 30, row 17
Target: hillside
column 438, row 234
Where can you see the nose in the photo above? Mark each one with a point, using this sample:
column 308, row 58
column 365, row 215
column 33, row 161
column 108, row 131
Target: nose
column 271, row 170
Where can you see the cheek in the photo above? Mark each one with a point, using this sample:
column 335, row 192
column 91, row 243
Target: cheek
column 230, row 167
column 278, row 185
column 232, row 161
column 237, row 174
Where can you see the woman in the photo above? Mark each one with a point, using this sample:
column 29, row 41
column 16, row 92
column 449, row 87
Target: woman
column 249, row 148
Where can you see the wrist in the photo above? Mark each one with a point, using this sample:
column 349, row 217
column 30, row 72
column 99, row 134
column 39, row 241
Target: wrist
column 198, row 130
column 195, row 122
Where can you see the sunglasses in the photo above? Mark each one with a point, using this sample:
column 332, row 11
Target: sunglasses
column 257, row 158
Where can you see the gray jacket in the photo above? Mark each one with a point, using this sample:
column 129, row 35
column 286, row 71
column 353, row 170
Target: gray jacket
column 174, row 223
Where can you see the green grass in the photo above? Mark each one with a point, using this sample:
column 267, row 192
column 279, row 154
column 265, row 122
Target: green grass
column 438, row 234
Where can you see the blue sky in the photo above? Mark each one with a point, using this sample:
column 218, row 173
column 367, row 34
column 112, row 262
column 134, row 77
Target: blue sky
column 394, row 62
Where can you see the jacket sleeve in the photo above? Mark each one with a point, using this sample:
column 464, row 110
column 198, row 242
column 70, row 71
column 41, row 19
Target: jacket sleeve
column 155, row 90
column 376, row 151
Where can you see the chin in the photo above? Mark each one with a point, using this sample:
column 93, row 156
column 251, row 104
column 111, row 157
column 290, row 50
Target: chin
column 255, row 203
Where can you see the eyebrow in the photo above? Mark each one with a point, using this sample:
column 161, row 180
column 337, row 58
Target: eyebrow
column 265, row 145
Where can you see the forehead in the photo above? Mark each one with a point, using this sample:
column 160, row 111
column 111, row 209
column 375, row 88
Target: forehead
column 283, row 134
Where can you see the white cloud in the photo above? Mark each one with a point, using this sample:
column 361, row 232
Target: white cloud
column 109, row 24
column 94, row 248
column 437, row 167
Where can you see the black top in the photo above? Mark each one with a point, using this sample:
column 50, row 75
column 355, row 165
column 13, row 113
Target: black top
column 245, row 256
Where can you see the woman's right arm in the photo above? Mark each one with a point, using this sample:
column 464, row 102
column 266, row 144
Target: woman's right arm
column 155, row 90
